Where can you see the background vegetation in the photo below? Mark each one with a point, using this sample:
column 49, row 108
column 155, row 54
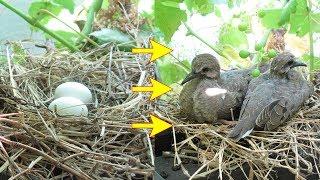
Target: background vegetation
column 241, row 32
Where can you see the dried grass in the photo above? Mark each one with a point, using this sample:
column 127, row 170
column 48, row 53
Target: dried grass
column 37, row 144
column 295, row 147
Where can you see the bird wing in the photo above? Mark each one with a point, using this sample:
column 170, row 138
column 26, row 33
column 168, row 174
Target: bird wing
column 237, row 80
column 280, row 110
column 274, row 114
column 257, row 98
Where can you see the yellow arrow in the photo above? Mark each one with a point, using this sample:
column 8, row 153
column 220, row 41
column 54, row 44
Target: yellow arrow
column 157, row 125
column 156, row 88
column 158, row 50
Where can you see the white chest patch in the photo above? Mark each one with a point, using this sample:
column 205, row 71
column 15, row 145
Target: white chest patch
column 215, row 91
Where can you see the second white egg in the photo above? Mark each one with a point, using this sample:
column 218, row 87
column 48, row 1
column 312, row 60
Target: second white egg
column 68, row 106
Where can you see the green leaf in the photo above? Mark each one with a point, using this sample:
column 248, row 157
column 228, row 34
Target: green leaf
column 168, row 19
column 36, row 7
column 70, row 37
column 217, row 11
column 203, row 7
column 230, row 35
column 233, row 58
column 270, row 17
column 170, row 4
column 105, row 4
column 113, row 35
column 316, row 61
column 171, row 72
column 286, row 12
column 230, row 3
column 189, row 4
column 68, row 4
column 299, row 22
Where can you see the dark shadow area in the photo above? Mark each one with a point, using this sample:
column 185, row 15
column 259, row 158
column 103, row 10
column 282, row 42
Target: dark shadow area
column 165, row 169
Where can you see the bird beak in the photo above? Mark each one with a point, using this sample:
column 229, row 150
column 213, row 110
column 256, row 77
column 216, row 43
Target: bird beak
column 189, row 77
column 297, row 63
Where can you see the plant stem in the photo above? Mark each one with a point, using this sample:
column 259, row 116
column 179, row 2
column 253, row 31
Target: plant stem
column 311, row 63
column 256, row 58
column 35, row 23
column 265, row 37
column 215, row 49
column 79, row 33
column 94, row 8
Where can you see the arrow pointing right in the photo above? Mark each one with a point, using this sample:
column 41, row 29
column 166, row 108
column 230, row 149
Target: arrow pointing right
column 158, row 125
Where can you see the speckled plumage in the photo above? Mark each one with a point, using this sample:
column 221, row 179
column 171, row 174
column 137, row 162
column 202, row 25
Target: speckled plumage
column 196, row 105
column 273, row 98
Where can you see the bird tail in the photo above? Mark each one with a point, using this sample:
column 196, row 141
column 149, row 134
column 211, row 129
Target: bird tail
column 240, row 131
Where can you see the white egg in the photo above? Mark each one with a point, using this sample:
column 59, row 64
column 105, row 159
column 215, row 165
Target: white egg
column 68, row 106
column 74, row 89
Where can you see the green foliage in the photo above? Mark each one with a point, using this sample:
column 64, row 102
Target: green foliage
column 243, row 27
column 43, row 11
column 105, row 4
column 265, row 58
column 172, row 72
column 107, row 35
column 233, row 58
column 289, row 8
column 217, row 12
column 269, row 19
column 19, row 53
column 36, row 11
column 66, row 35
column 272, row 53
column 168, row 18
column 295, row 14
column 258, row 46
column 261, row 13
column 203, row 7
column 306, row 58
column 111, row 35
column 299, row 23
column 230, row 35
column 67, row 4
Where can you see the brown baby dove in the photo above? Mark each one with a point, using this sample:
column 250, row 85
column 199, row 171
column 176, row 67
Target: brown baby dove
column 209, row 95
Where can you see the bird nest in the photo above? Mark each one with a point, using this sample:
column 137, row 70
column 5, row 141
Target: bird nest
column 37, row 144
column 295, row 147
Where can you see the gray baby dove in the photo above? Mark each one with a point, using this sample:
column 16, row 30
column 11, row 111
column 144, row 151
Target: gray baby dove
column 273, row 98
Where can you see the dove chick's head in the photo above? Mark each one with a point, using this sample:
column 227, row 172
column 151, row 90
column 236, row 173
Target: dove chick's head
column 283, row 63
column 203, row 66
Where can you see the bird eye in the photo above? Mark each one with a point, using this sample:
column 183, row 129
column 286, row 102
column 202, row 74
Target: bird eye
column 205, row 70
column 290, row 63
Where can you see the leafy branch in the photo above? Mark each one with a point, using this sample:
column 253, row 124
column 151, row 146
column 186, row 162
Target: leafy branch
column 311, row 62
column 79, row 33
column 215, row 49
column 35, row 23
column 94, row 8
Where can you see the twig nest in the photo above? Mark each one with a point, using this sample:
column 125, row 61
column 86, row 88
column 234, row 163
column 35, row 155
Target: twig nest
column 68, row 106
column 74, row 89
